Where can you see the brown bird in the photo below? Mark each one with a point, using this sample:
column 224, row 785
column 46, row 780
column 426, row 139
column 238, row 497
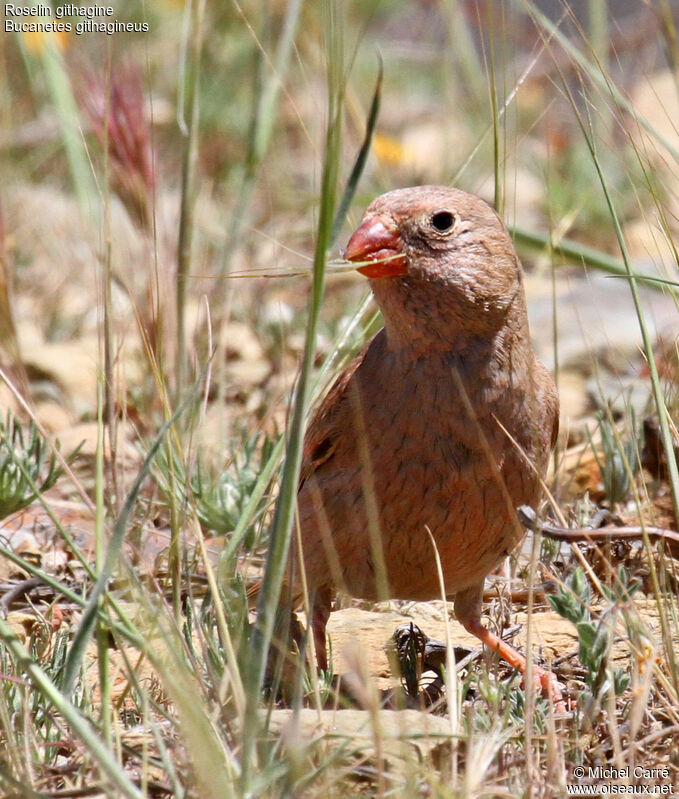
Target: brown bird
column 440, row 428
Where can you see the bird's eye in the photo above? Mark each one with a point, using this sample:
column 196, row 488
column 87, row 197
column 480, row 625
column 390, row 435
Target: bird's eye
column 443, row 221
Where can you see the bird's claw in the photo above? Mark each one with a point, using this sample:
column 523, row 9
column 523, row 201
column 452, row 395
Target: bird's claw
column 548, row 685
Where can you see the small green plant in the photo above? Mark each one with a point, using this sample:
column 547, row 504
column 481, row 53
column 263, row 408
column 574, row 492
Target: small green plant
column 28, row 466
column 17, row 699
column 219, row 499
column 620, row 460
column 503, row 702
column 595, row 637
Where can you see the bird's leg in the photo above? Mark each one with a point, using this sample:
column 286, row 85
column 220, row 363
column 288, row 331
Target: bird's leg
column 320, row 613
column 468, row 613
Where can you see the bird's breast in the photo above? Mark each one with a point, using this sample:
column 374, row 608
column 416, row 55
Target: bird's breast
column 420, row 452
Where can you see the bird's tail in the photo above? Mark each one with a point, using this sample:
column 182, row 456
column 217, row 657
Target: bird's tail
column 255, row 589
column 253, row 593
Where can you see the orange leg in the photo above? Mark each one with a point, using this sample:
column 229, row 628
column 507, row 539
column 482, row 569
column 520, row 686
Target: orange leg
column 468, row 612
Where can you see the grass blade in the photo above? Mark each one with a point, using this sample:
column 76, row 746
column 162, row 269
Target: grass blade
column 285, row 507
column 95, row 746
column 188, row 192
column 89, row 617
column 574, row 252
column 596, row 74
column 361, row 158
column 262, row 124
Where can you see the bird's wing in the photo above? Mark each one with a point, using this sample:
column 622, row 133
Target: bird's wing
column 551, row 401
column 555, row 427
column 323, row 432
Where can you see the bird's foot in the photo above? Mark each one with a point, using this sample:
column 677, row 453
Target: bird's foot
column 548, row 685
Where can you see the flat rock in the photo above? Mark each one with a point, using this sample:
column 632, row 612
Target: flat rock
column 364, row 635
column 361, row 636
column 407, row 738
column 595, row 317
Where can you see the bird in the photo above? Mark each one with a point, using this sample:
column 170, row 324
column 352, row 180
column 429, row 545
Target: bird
column 442, row 426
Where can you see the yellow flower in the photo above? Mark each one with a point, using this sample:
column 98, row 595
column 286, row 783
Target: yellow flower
column 36, row 42
column 390, row 150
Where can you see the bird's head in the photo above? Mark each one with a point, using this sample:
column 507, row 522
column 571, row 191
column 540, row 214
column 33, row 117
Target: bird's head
column 440, row 261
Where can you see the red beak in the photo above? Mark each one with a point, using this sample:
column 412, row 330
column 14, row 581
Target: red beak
column 373, row 241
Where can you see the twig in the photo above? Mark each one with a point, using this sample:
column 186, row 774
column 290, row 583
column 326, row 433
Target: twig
column 529, row 520
column 17, row 592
